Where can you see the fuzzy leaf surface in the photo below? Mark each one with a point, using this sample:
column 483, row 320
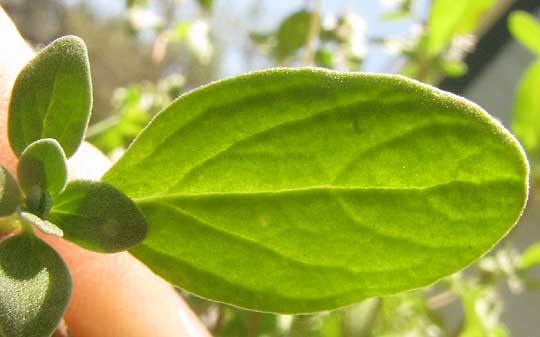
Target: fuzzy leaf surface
column 10, row 194
column 97, row 216
column 35, row 287
column 43, row 164
column 298, row 190
column 52, row 97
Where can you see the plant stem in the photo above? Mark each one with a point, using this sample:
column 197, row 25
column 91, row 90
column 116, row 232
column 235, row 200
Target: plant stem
column 373, row 316
column 314, row 28
column 442, row 299
column 216, row 329
column 253, row 325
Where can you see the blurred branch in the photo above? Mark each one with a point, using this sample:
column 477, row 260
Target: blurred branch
column 253, row 326
column 314, row 29
column 442, row 299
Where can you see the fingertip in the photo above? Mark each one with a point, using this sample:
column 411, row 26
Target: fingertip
column 117, row 295
column 12, row 58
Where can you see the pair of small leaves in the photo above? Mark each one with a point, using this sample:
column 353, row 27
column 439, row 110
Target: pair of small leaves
column 48, row 115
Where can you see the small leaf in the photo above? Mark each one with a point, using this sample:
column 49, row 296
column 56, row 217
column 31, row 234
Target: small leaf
column 292, row 34
column 454, row 68
column 526, row 29
column 43, row 225
column 38, row 202
column 530, row 257
column 97, row 216
column 35, row 287
column 43, row 164
column 52, row 97
column 10, row 195
column 297, row 190
column 526, row 123
column 206, row 4
column 324, row 58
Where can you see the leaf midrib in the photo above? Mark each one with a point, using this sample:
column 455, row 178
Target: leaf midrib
column 321, row 188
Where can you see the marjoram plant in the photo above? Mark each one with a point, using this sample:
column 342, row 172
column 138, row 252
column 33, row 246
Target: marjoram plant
column 284, row 190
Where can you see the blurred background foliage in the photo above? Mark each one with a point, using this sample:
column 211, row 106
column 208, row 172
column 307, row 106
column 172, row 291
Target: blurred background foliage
column 145, row 53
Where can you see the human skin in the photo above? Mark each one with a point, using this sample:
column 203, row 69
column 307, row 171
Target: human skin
column 114, row 295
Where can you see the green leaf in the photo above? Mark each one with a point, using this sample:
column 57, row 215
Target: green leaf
column 10, row 195
column 526, row 29
column 526, row 123
column 43, row 225
column 324, row 58
column 292, row 34
column 206, row 4
column 453, row 68
column 43, row 164
column 481, row 309
column 297, row 190
column 52, row 97
column 97, row 216
column 449, row 18
column 35, row 287
column 530, row 257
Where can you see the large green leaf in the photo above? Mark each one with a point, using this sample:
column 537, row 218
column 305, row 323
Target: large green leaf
column 52, row 97
column 526, row 29
column 35, row 287
column 449, row 18
column 97, row 216
column 43, row 164
column 10, row 195
column 302, row 190
column 526, row 114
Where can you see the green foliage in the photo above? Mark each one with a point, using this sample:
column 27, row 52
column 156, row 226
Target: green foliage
column 48, row 113
column 97, row 216
column 35, row 287
column 43, row 164
column 10, row 194
column 339, row 45
column 530, row 257
column 206, row 4
column 295, row 190
column 526, row 29
column 299, row 190
column 52, row 97
column 133, row 108
column 292, row 34
column 449, row 18
column 526, row 123
column 481, row 310
column 403, row 9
